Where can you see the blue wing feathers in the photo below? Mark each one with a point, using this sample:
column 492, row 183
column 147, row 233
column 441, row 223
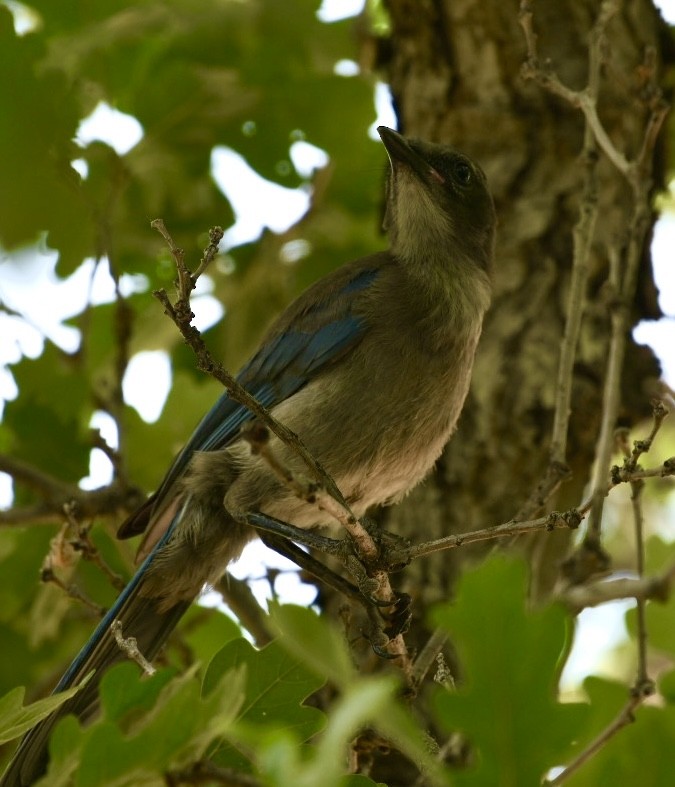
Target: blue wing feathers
column 283, row 365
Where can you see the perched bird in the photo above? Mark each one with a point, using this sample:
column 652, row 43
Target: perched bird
column 370, row 366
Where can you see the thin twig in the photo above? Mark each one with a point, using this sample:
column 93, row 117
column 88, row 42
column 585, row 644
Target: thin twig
column 182, row 316
column 48, row 576
column 313, row 493
column 584, row 232
column 427, row 656
column 642, row 679
column 584, row 100
column 643, row 684
column 56, row 494
column 623, row 719
column 667, row 469
column 556, row 520
column 238, row 596
column 30, row 476
column 593, row 594
column 124, row 316
column 553, row 521
column 129, row 646
column 636, row 174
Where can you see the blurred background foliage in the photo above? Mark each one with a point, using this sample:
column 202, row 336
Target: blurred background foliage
column 259, row 77
column 196, row 75
column 256, row 77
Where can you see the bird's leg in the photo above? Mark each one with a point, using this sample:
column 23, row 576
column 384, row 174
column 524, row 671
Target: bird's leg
column 378, row 635
column 394, row 550
column 316, row 568
column 394, row 555
column 340, row 548
column 397, row 623
column 267, row 524
column 280, row 536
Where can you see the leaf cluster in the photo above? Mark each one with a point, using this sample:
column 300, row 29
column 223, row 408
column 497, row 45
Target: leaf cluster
column 247, row 711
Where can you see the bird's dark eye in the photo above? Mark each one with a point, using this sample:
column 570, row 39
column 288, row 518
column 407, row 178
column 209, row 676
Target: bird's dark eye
column 462, row 173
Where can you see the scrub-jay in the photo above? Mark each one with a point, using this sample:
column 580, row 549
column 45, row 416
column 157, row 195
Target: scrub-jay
column 370, row 366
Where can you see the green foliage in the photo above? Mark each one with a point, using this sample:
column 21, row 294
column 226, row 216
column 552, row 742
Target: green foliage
column 641, row 753
column 38, row 188
column 55, row 409
column 176, row 729
column 276, row 685
column 255, row 76
column 248, row 710
column 660, row 618
column 506, row 704
column 196, row 75
column 15, row 718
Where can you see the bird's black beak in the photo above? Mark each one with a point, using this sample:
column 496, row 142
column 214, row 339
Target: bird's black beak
column 399, row 150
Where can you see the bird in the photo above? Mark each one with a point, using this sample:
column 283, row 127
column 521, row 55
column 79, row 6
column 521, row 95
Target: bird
column 370, row 366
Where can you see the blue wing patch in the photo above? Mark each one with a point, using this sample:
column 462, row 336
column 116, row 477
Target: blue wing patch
column 278, row 370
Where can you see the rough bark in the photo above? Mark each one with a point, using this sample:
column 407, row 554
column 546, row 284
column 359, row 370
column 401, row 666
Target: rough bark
column 455, row 74
column 454, row 68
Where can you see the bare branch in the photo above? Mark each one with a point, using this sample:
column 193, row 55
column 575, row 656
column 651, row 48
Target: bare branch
column 37, row 480
column 553, row 521
column 129, row 646
column 584, row 100
column 81, row 543
column 624, row 718
column 624, row 275
column 57, row 556
column 58, row 495
column 593, row 594
column 239, row 598
column 257, row 436
column 427, row 656
column 181, row 314
column 642, row 679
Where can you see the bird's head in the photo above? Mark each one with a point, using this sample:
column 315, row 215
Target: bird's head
column 438, row 202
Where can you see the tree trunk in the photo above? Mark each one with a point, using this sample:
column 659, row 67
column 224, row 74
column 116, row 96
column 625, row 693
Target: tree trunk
column 455, row 76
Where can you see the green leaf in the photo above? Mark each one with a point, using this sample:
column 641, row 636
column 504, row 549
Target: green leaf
column 123, row 691
column 51, row 406
column 667, row 687
column 659, row 615
column 640, row 753
column 369, row 702
column 364, row 701
column 506, row 702
column 176, row 730
column 206, row 631
column 187, row 402
column 314, row 641
column 276, row 686
column 65, row 747
column 39, row 190
column 17, row 718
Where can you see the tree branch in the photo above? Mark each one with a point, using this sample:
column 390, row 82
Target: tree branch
column 57, row 494
column 623, row 719
column 239, row 598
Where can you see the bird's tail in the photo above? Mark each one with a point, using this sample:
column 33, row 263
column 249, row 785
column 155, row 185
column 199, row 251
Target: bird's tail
column 141, row 617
